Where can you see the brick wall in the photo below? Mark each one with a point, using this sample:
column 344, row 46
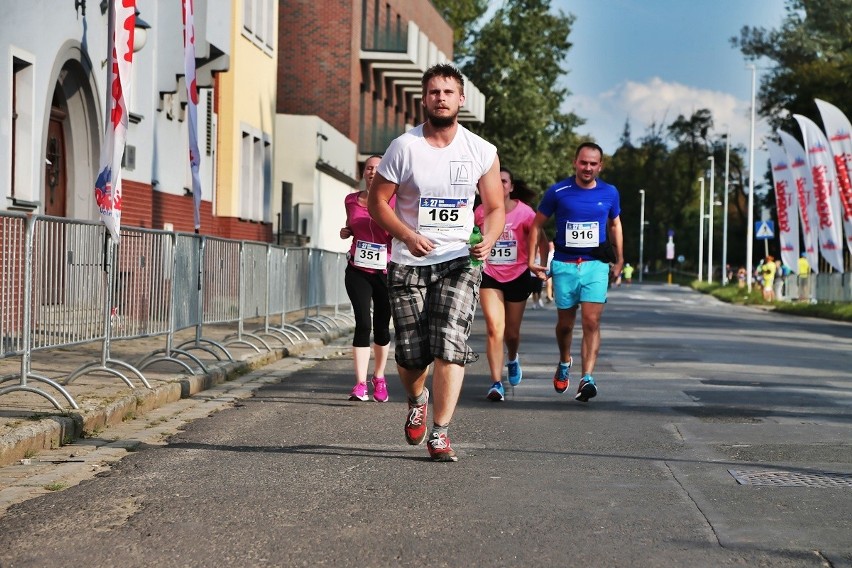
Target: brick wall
column 319, row 69
column 146, row 208
column 317, row 62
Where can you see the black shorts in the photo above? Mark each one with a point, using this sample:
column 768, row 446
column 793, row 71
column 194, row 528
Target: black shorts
column 517, row 290
column 536, row 284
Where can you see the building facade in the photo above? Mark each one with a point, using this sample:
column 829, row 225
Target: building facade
column 293, row 97
column 354, row 66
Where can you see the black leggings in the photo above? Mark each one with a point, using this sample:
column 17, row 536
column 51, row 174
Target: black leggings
column 363, row 287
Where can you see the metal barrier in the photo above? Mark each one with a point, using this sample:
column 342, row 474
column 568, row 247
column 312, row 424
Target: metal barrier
column 16, row 300
column 276, row 302
column 65, row 282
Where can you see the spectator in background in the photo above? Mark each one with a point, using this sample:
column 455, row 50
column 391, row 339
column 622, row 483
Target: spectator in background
column 627, row 272
column 767, row 271
column 804, row 277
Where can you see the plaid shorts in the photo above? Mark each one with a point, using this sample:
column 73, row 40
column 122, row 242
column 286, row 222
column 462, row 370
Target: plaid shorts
column 433, row 309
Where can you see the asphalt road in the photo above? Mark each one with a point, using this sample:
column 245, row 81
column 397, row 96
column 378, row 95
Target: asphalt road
column 692, row 393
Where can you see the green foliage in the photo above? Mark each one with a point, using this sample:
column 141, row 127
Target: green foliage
column 733, row 294
column 516, row 61
column 825, row 310
column 666, row 162
column 811, row 55
column 461, row 15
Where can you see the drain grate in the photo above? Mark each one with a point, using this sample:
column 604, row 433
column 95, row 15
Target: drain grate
column 777, row 478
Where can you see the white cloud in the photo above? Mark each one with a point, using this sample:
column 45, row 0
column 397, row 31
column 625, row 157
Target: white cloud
column 658, row 102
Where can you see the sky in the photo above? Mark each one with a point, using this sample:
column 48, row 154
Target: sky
column 650, row 60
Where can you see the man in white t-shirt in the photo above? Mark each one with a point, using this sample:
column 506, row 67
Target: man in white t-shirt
column 435, row 170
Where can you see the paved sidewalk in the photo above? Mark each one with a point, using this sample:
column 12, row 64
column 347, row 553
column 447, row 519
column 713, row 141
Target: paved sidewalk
column 30, row 424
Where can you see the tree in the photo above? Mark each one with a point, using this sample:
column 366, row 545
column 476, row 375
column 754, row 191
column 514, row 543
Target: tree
column 461, row 15
column 812, row 56
column 666, row 162
column 516, row 61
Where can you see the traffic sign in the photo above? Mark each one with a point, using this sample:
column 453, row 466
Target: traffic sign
column 764, row 230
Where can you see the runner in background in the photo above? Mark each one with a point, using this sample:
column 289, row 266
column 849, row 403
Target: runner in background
column 367, row 283
column 505, row 284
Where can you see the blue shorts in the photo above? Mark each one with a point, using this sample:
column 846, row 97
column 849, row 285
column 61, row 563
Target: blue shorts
column 573, row 282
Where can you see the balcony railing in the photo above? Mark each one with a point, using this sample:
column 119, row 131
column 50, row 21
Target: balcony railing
column 382, row 30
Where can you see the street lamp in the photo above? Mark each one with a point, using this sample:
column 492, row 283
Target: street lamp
column 641, row 233
column 701, row 230
column 725, row 206
column 750, row 222
column 710, row 226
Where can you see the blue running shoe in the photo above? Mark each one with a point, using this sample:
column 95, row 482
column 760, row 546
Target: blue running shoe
column 560, row 378
column 515, row 371
column 496, row 392
column 586, row 390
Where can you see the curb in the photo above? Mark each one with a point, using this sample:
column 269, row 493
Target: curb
column 57, row 430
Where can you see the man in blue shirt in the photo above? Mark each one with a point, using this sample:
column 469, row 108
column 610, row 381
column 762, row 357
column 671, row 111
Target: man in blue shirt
column 589, row 246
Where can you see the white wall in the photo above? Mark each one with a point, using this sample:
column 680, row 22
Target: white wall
column 299, row 144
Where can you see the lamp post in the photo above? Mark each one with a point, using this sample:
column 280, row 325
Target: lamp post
column 725, row 206
column 641, row 233
column 710, row 225
column 701, row 230
column 750, row 222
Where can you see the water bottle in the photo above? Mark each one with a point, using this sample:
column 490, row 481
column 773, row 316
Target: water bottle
column 475, row 239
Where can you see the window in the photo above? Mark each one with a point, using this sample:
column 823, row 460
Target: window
column 259, row 22
column 255, row 176
column 22, row 127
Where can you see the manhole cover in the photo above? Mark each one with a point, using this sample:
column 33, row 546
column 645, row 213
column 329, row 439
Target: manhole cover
column 791, row 478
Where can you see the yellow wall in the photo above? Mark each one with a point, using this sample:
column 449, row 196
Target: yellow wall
column 246, row 97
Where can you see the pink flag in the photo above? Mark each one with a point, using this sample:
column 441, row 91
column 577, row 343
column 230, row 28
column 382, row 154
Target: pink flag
column 120, row 57
column 805, row 193
column 840, row 139
column 785, row 203
column 192, row 105
column 824, row 177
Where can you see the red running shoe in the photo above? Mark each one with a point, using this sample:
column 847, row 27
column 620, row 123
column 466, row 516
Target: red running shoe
column 440, row 449
column 415, row 422
column 560, row 378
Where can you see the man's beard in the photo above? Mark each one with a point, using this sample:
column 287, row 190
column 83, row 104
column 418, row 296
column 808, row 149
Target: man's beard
column 441, row 121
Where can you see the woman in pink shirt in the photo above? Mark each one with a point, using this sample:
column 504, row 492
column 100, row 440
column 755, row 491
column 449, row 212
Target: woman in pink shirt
column 366, row 282
column 506, row 283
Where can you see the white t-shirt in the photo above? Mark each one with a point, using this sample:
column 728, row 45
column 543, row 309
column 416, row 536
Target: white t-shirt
column 436, row 190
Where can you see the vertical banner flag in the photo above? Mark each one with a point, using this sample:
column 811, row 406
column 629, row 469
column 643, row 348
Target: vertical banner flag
column 839, row 133
column 120, row 57
column 785, row 204
column 824, row 177
column 805, row 193
column 192, row 105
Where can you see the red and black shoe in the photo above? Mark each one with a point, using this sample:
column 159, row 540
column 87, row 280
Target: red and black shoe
column 415, row 421
column 440, row 449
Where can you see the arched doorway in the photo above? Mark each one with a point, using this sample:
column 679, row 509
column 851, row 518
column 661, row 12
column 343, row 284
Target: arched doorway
column 73, row 133
column 55, row 176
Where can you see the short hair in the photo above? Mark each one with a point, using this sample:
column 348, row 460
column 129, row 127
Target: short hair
column 379, row 156
column 442, row 70
column 591, row 145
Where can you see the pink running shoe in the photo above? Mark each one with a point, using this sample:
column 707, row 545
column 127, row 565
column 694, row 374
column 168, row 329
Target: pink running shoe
column 359, row 392
column 440, row 449
column 415, row 421
column 380, row 389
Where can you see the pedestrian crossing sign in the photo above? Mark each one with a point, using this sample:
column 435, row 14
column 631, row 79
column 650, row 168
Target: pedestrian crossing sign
column 764, row 230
